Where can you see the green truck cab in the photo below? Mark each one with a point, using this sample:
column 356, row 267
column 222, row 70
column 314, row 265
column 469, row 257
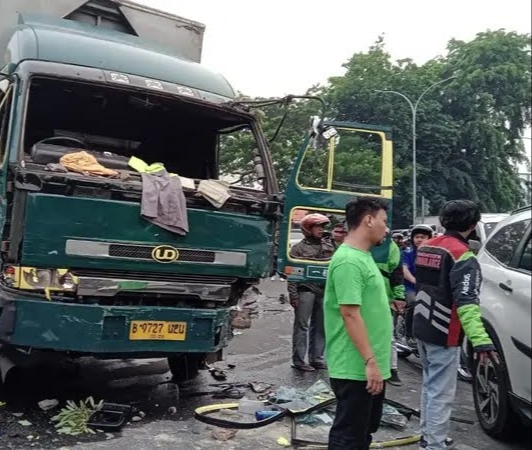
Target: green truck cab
column 83, row 273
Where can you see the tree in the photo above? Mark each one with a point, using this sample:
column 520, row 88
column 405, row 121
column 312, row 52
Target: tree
column 236, row 155
column 468, row 133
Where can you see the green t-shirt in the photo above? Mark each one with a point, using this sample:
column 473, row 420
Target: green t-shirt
column 354, row 279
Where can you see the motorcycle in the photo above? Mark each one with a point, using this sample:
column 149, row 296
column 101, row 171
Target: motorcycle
column 406, row 347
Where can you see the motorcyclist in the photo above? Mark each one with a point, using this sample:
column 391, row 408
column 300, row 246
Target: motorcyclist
column 339, row 233
column 419, row 234
column 307, row 298
column 399, row 239
column 393, row 278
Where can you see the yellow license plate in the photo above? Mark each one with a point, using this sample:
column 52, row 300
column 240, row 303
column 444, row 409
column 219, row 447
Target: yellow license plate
column 153, row 330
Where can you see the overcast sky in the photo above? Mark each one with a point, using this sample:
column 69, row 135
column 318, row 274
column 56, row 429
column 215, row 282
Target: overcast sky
column 277, row 47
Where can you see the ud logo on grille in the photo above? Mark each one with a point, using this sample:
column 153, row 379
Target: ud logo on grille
column 165, row 254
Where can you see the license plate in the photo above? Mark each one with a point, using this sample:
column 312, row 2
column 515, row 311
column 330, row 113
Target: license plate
column 152, row 330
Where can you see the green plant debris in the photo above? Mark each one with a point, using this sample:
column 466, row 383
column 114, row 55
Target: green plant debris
column 73, row 419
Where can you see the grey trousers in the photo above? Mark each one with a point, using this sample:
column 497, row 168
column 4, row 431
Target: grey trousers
column 309, row 330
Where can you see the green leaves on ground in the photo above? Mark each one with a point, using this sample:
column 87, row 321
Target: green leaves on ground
column 73, row 419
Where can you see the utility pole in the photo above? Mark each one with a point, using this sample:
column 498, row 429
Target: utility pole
column 414, row 109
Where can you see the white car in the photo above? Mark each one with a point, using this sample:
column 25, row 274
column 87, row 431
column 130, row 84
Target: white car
column 487, row 224
column 503, row 391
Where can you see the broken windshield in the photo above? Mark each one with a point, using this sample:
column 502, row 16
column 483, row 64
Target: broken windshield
column 65, row 116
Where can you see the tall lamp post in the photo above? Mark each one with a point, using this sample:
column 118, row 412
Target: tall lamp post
column 414, row 108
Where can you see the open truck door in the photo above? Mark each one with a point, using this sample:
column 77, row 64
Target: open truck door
column 335, row 165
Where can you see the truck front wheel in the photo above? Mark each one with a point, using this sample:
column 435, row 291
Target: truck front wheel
column 185, row 367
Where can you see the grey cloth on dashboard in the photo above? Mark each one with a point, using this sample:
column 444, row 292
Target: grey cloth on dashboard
column 163, row 201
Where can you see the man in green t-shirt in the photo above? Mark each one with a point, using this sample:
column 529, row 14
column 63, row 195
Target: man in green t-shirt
column 358, row 327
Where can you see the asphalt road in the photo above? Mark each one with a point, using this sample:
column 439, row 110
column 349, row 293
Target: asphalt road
column 260, row 354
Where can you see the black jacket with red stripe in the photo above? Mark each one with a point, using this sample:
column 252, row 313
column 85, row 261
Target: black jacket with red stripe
column 448, row 279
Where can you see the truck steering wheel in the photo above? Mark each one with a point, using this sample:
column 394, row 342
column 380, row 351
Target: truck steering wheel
column 50, row 140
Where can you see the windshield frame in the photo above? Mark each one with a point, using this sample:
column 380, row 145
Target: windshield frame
column 27, row 70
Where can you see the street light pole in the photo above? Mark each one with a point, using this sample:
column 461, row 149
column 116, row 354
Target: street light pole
column 414, row 108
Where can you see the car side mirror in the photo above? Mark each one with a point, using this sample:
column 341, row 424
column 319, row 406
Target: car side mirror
column 474, row 245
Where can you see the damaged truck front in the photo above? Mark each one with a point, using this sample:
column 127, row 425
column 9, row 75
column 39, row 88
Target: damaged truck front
column 85, row 269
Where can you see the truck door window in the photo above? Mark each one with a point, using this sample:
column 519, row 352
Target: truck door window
column 352, row 161
column 357, row 163
column 315, row 248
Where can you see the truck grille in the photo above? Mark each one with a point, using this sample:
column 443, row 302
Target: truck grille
column 164, row 253
column 150, row 276
column 145, row 252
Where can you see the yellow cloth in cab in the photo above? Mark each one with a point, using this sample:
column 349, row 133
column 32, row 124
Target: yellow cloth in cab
column 83, row 162
column 142, row 167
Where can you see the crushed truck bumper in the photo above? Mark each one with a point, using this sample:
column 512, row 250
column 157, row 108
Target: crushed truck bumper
column 101, row 330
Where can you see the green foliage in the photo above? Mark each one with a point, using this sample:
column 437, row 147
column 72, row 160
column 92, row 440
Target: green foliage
column 73, row 419
column 468, row 130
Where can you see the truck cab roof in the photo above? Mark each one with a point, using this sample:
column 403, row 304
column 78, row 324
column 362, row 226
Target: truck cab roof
column 66, row 41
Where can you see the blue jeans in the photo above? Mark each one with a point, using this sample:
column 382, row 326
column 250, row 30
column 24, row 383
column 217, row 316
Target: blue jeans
column 440, row 365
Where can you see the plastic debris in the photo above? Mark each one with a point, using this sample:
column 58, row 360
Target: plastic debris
column 25, row 423
column 298, row 400
column 315, row 419
column 46, row 405
column 393, row 418
column 282, row 441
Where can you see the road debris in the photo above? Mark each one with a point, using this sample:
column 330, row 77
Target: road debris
column 223, row 434
column 46, row 405
column 240, row 320
column 282, row 441
column 73, row 419
column 111, row 417
column 218, row 374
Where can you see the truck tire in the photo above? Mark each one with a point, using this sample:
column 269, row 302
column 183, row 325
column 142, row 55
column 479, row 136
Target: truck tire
column 185, row 367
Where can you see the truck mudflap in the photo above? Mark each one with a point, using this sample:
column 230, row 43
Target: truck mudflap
column 101, row 330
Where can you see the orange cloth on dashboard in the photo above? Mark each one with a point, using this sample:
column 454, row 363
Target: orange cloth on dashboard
column 83, row 162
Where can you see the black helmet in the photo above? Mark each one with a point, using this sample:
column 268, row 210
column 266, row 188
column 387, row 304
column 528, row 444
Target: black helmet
column 459, row 215
column 422, row 228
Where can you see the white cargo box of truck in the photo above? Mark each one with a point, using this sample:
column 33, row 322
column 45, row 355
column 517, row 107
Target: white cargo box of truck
column 180, row 36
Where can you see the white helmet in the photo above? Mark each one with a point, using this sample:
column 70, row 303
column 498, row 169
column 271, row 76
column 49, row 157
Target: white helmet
column 422, row 228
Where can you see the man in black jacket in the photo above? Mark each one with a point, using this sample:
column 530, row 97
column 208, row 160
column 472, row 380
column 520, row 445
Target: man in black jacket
column 448, row 279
